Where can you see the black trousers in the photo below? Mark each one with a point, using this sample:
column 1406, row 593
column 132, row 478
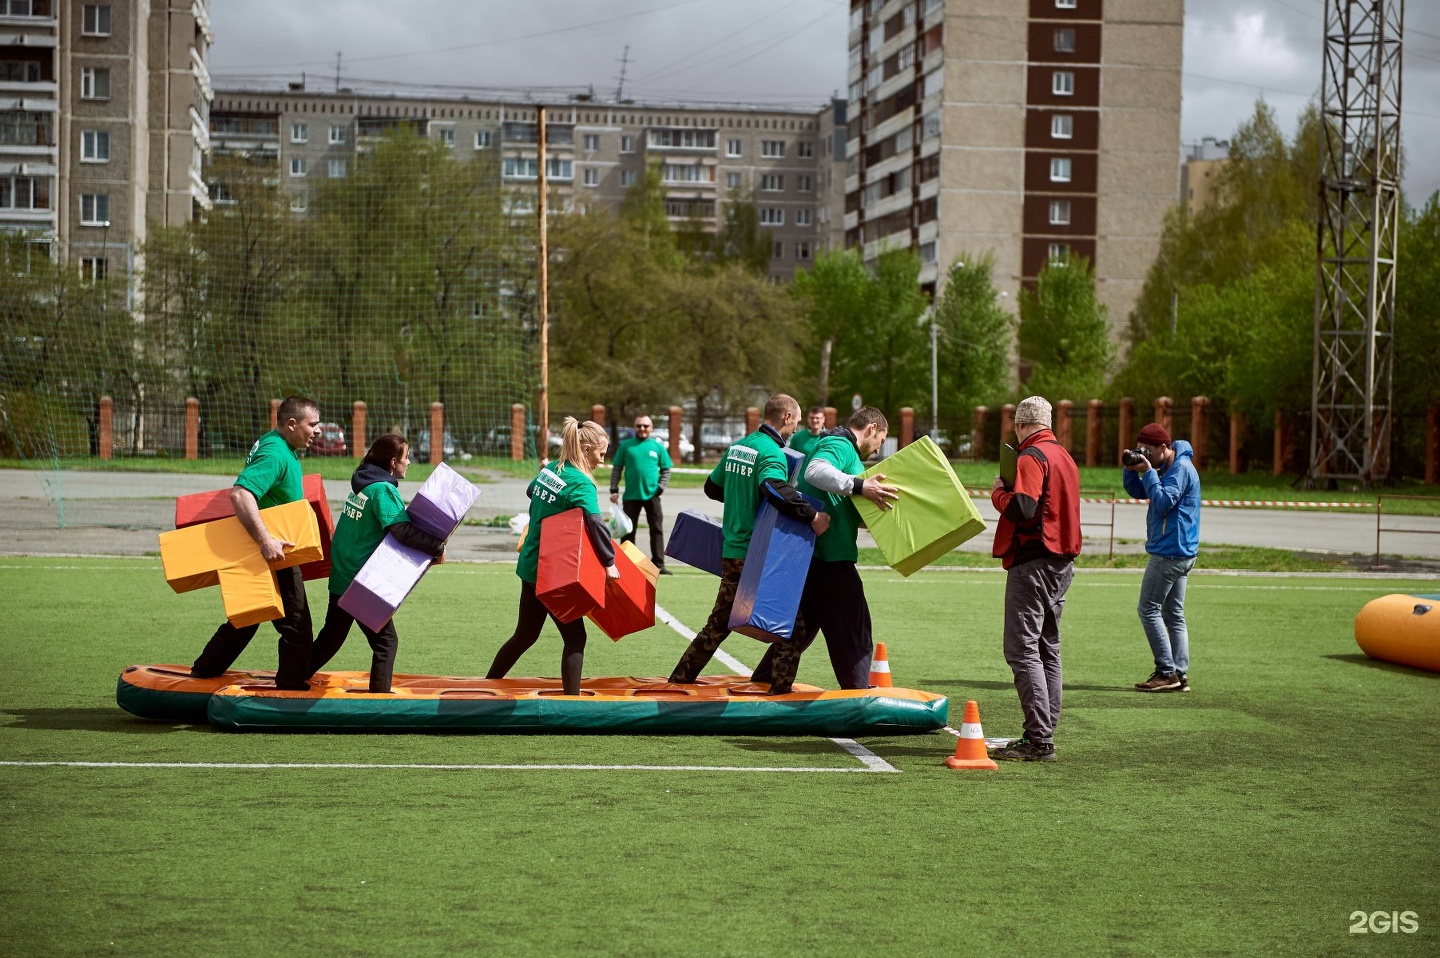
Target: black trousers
column 294, row 627
column 654, row 518
column 528, row 623
column 333, row 633
column 833, row 602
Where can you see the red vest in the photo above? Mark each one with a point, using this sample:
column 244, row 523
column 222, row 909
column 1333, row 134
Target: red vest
column 1047, row 482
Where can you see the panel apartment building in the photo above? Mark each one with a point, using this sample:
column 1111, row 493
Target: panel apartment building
column 783, row 160
column 104, row 115
column 1031, row 129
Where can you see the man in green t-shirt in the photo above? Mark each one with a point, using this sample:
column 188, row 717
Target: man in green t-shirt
column 271, row 477
column 751, row 471
column 645, row 463
column 833, row 601
column 805, row 439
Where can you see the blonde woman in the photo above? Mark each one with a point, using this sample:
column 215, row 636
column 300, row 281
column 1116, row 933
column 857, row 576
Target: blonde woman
column 567, row 483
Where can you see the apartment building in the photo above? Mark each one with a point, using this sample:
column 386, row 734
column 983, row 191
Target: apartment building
column 1031, row 129
column 782, row 160
column 103, row 120
column 1203, row 162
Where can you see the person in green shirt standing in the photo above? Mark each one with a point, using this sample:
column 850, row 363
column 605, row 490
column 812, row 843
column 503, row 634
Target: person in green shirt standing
column 833, row 601
column 271, row 477
column 645, row 463
column 751, row 471
column 567, row 483
column 805, row 439
column 373, row 510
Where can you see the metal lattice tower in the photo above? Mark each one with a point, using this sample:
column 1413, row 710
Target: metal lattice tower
column 1350, row 407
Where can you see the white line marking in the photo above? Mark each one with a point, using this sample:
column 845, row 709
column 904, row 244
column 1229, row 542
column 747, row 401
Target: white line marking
column 873, row 762
column 456, row 768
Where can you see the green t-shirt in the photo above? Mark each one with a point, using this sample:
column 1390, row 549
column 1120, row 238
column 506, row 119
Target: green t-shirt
column 272, row 472
column 639, row 462
column 552, row 492
column 804, row 440
column 838, row 544
column 740, row 473
column 361, row 528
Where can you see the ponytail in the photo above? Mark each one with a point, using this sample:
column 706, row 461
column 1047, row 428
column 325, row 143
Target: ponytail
column 576, row 438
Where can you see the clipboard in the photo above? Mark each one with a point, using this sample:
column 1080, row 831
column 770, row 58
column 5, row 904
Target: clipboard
column 1007, row 465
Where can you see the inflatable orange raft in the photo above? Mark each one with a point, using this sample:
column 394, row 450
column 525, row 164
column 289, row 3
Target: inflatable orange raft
column 725, row 704
column 1404, row 629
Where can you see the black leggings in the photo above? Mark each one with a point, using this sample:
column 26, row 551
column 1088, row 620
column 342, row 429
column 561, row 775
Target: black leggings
column 528, row 623
column 383, row 644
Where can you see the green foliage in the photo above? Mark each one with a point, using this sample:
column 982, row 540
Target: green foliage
column 975, row 337
column 1065, row 333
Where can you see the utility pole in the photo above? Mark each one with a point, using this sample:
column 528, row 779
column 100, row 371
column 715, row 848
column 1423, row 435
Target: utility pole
column 544, row 297
column 624, row 62
column 1351, row 399
column 337, row 70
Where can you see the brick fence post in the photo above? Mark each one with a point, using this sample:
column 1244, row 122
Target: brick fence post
column 1200, row 430
column 1282, row 444
column 977, row 434
column 752, row 419
column 1063, row 433
column 907, row 425
column 357, row 429
column 517, row 432
column 1093, row 437
column 1237, row 436
column 597, row 415
column 829, row 417
column 1007, row 421
column 1162, row 411
column 274, row 413
column 1127, row 422
column 437, row 433
column 105, row 437
column 676, row 424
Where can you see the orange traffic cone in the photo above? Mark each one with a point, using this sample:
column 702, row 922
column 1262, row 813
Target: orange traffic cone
column 970, row 749
column 880, row 668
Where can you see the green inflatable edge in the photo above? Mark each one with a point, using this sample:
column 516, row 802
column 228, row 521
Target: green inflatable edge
column 163, row 706
column 840, row 717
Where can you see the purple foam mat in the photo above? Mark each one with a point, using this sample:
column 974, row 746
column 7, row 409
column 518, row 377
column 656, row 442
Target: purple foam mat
column 442, row 502
column 388, row 576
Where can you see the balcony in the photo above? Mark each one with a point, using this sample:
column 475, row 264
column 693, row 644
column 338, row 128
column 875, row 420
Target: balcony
column 680, row 139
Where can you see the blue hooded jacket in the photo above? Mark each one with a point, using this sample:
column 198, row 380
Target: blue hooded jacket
column 1173, row 523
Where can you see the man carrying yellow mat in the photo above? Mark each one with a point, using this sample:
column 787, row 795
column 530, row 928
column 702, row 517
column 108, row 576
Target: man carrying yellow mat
column 834, row 598
column 271, row 477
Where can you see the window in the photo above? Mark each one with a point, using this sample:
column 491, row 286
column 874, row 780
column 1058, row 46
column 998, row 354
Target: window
column 772, row 182
column 482, row 139
column 772, row 148
column 95, row 20
column 732, row 181
column 627, row 177
column 447, row 136
column 592, row 142
column 1062, row 83
column 802, row 249
column 627, row 144
column 299, row 203
column 804, row 217
column 771, row 216
column 94, row 146
column 930, row 125
column 559, row 169
column 337, row 169
column 927, row 252
column 1058, row 252
column 300, row 133
column 1060, row 169
column 1059, row 212
column 520, row 168
column 95, row 83
column 1064, row 4
column 25, row 192
column 299, row 166
column 94, row 209
column 92, row 269
column 337, row 135
column 1064, row 40
column 592, row 177
column 1062, row 126
column 779, row 251
column 805, row 148
column 805, row 183
column 687, row 173
column 734, row 147
column 683, row 139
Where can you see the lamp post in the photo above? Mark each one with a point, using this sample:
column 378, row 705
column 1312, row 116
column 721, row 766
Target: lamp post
column 934, row 377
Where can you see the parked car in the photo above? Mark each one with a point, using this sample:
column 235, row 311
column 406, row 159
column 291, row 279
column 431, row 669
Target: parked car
column 421, row 446
column 714, row 437
column 686, row 446
column 329, row 441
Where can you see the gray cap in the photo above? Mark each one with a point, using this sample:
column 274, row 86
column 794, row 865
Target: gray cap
column 1033, row 410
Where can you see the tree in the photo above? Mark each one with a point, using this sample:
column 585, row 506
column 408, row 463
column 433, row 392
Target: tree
column 975, row 336
column 1064, row 332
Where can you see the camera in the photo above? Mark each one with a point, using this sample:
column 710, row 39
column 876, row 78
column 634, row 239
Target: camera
column 1132, row 457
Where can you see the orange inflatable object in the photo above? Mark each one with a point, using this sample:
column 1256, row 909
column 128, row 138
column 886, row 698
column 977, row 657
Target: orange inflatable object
column 222, row 553
column 208, row 506
column 1404, row 629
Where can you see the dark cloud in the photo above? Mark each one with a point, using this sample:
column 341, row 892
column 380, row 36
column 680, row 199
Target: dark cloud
column 764, row 51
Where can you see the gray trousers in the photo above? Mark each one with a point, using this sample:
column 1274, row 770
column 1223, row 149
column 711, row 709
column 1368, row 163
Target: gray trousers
column 1034, row 598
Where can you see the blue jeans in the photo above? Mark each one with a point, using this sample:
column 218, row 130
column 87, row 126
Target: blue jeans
column 1162, row 611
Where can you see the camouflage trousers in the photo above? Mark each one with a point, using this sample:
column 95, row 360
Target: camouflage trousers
column 784, row 663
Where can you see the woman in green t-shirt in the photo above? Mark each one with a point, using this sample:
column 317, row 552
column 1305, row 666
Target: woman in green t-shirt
column 567, row 483
column 373, row 510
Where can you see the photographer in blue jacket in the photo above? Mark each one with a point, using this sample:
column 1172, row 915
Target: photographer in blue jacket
column 1163, row 472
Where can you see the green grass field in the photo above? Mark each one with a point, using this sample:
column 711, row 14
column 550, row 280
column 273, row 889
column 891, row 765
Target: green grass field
column 1296, row 785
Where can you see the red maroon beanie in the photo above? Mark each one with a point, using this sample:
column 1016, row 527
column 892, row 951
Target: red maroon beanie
column 1154, row 435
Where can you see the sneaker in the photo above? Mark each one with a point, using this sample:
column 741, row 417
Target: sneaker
column 1184, row 683
column 1024, row 750
column 665, row 571
column 1159, row 682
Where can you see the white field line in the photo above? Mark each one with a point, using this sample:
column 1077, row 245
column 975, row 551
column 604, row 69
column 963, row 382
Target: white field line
column 873, row 762
column 437, row 767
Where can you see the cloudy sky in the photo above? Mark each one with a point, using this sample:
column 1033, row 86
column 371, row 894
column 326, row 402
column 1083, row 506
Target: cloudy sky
column 761, row 51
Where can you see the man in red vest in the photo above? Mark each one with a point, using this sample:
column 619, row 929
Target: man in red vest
column 1037, row 539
